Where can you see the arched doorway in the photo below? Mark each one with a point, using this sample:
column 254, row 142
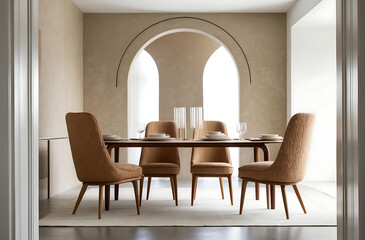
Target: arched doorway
column 143, row 97
column 221, row 94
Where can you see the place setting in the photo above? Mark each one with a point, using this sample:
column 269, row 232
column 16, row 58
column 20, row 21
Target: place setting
column 267, row 137
column 158, row 137
column 215, row 136
column 112, row 137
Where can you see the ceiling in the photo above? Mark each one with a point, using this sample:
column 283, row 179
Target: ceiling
column 184, row 6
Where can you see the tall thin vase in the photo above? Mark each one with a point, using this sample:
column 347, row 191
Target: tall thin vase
column 180, row 119
column 196, row 118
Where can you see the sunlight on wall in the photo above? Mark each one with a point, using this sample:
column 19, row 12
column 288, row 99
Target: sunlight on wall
column 221, row 94
column 143, row 97
column 313, row 82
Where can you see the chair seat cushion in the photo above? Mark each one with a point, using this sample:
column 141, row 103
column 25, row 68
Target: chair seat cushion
column 128, row 170
column 212, row 168
column 255, row 170
column 160, row 169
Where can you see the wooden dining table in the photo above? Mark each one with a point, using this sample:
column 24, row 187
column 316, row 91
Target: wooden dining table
column 255, row 145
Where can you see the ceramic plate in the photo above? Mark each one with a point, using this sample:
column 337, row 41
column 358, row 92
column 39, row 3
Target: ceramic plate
column 225, row 138
column 157, row 138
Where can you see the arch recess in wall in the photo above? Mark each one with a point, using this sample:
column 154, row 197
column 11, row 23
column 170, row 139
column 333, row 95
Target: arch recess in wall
column 182, row 24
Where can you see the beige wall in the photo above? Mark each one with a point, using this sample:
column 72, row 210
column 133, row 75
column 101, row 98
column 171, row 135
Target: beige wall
column 60, row 87
column 180, row 59
column 262, row 36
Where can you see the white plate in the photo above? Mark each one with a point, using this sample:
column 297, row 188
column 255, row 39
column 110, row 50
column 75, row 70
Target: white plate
column 112, row 138
column 216, row 136
column 214, row 133
column 271, row 138
column 271, row 135
column 225, row 138
column 158, row 135
column 157, row 138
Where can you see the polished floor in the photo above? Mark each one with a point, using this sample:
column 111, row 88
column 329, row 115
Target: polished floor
column 189, row 233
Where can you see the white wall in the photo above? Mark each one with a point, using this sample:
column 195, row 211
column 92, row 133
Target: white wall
column 313, row 84
column 299, row 10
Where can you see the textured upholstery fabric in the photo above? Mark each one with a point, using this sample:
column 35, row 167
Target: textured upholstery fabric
column 210, row 155
column 159, row 160
column 291, row 162
column 212, row 168
column 160, row 168
column 91, row 159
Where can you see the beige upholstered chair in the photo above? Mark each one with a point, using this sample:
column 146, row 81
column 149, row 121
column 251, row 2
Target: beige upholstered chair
column 92, row 161
column 290, row 164
column 159, row 161
column 210, row 162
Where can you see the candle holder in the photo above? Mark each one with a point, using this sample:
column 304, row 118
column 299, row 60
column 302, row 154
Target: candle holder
column 180, row 119
column 196, row 118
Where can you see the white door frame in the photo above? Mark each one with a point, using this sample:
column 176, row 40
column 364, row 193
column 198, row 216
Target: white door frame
column 348, row 167
column 19, row 120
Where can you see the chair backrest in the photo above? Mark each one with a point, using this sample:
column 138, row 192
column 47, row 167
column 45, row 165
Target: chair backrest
column 205, row 154
column 291, row 162
column 91, row 159
column 160, row 154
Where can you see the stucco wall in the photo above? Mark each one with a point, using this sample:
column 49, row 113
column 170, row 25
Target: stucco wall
column 180, row 59
column 262, row 36
column 60, row 88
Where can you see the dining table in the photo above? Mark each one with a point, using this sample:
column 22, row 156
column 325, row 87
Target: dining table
column 256, row 145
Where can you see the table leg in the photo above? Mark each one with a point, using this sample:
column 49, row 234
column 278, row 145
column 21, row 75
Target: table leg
column 116, row 186
column 256, row 159
column 49, row 168
column 266, row 151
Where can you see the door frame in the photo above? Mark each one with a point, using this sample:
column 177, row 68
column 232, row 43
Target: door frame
column 22, row 115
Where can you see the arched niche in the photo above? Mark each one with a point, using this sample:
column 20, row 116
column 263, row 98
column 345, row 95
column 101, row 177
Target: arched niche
column 181, row 25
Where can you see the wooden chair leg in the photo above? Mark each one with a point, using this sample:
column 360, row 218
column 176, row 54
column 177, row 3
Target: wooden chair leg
column 141, row 190
column 243, row 192
column 100, row 199
column 195, row 186
column 148, row 187
column 172, row 187
column 82, row 192
column 221, row 184
column 230, row 188
column 284, row 200
column 107, row 197
column 193, row 189
column 175, row 188
column 272, row 196
column 268, row 196
column 135, row 186
column 299, row 198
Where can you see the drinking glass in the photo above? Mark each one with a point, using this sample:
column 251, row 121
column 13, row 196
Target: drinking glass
column 241, row 129
column 140, row 128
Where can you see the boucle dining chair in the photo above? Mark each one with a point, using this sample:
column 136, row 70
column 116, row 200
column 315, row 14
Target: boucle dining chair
column 210, row 162
column 92, row 161
column 290, row 164
column 160, row 161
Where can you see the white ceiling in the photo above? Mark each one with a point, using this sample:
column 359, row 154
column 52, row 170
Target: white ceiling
column 184, row 6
